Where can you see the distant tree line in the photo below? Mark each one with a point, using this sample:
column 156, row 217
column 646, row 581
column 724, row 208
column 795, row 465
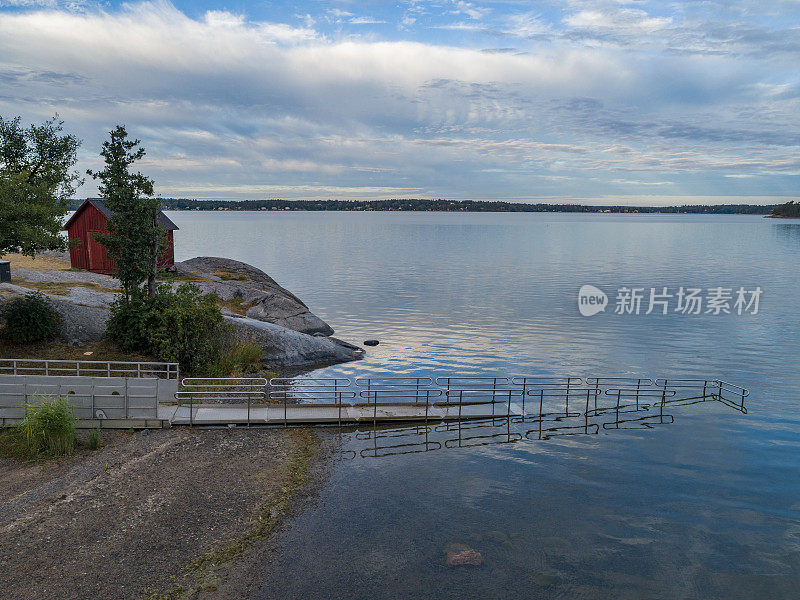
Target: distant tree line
column 790, row 209
column 441, row 205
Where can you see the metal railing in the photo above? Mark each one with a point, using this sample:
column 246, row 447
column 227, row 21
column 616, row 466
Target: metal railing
column 88, row 368
column 220, row 389
column 318, row 391
column 542, row 398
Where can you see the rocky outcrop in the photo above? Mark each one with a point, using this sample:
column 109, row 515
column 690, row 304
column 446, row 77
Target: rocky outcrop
column 260, row 296
column 276, row 319
column 286, row 347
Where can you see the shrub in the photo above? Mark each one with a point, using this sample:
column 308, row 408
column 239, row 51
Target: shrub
column 176, row 326
column 48, row 429
column 31, row 319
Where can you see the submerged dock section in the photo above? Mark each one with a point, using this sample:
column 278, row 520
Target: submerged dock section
column 554, row 403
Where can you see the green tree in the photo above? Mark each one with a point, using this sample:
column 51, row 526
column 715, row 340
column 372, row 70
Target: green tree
column 36, row 182
column 134, row 238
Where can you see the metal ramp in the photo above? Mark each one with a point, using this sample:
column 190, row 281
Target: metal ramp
column 552, row 405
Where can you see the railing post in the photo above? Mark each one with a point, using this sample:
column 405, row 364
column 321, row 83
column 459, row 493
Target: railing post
column 586, row 414
column 566, row 400
column 541, row 401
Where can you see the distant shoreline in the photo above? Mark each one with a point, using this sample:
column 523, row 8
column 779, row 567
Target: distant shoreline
column 440, row 205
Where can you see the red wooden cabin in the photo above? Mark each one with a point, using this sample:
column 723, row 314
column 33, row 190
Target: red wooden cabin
column 87, row 253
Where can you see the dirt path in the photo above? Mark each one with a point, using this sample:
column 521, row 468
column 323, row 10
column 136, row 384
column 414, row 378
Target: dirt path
column 164, row 515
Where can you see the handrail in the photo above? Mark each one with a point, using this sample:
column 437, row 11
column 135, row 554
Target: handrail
column 224, row 382
column 473, row 380
column 107, row 368
column 620, row 381
column 394, row 382
column 548, row 381
column 310, row 382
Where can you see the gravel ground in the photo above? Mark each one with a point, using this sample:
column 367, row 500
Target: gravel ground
column 52, row 276
column 127, row 520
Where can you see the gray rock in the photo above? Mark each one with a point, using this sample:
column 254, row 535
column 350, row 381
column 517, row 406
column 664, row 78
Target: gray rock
column 55, row 276
column 286, row 347
column 80, row 323
column 267, row 301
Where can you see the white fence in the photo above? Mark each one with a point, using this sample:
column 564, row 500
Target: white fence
column 96, row 401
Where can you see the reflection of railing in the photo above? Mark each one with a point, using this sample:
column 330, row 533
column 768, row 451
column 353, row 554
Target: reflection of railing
column 631, row 401
column 722, row 391
column 555, row 397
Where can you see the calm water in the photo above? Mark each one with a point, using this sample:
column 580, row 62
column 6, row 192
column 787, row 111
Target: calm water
column 707, row 507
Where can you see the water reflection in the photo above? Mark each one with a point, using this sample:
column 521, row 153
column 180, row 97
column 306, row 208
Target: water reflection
column 624, row 409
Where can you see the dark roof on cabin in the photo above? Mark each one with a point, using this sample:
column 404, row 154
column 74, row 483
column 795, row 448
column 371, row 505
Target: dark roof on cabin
column 98, row 203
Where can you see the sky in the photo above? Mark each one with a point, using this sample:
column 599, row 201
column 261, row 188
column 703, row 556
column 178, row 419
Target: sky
column 590, row 101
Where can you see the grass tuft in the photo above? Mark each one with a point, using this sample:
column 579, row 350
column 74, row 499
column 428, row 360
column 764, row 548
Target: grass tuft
column 48, row 430
column 95, row 439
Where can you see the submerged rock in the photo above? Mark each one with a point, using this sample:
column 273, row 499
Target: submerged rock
column 371, row 342
column 459, row 555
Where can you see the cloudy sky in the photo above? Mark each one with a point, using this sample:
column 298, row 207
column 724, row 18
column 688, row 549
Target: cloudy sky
column 634, row 102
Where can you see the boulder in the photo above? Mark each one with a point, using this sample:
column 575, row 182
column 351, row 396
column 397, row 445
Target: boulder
column 286, row 347
column 264, row 299
column 459, row 555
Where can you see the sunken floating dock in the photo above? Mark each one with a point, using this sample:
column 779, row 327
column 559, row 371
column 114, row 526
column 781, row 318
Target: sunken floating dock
column 340, row 401
column 311, row 414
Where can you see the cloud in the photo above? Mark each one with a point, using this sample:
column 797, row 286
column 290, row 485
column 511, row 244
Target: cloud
column 250, row 107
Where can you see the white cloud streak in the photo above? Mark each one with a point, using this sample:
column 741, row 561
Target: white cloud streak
column 231, row 107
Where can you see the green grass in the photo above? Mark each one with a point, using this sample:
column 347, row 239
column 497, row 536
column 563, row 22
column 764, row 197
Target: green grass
column 95, row 439
column 236, row 359
column 48, row 430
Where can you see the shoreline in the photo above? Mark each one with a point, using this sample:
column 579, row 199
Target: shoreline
column 155, row 513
